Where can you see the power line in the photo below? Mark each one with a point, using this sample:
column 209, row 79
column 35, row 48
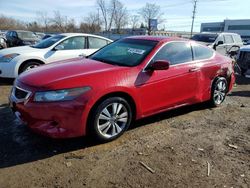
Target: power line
column 193, row 17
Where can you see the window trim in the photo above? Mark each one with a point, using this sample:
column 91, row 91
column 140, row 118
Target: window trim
column 96, row 38
column 193, row 61
column 148, row 63
column 59, row 42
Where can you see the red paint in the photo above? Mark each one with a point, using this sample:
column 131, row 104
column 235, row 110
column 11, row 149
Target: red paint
column 152, row 92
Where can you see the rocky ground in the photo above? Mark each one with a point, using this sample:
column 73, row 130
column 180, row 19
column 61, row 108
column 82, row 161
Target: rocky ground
column 194, row 146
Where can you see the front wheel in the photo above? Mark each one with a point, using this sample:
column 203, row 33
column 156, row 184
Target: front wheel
column 219, row 91
column 29, row 66
column 110, row 119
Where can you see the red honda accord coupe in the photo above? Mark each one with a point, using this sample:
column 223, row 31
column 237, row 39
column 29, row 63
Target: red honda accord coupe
column 129, row 79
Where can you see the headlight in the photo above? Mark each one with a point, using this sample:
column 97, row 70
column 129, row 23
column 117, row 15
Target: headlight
column 60, row 95
column 7, row 58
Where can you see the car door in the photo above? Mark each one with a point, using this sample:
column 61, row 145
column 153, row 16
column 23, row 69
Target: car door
column 95, row 44
column 173, row 87
column 15, row 39
column 220, row 45
column 229, row 42
column 69, row 48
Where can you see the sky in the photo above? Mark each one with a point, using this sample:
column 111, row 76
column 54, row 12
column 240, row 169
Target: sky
column 176, row 13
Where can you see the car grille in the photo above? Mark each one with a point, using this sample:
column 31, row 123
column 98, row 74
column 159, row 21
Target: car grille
column 20, row 94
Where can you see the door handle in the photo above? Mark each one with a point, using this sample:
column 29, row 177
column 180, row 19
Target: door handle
column 194, row 69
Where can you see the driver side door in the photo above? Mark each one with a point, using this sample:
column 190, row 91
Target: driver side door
column 163, row 89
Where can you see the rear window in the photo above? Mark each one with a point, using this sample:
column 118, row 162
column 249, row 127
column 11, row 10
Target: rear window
column 210, row 38
column 201, row 52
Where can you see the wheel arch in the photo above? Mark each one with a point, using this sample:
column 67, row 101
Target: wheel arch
column 27, row 61
column 122, row 94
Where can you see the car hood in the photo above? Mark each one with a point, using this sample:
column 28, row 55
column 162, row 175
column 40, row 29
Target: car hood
column 19, row 50
column 68, row 73
column 245, row 48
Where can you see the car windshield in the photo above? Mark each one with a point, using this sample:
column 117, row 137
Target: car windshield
column 26, row 35
column 48, row 42
column 125, row 52
column 210, row 38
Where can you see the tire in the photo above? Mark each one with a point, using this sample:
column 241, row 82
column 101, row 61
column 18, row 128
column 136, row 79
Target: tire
column 110, row 119
column 219, row 91
column 243, row 71
column 28, row 66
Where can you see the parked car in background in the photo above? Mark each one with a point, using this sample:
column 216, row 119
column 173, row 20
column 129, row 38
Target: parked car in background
column 129, row 79
column 21, row 38
column 243, row 59
column 14, row 61
column 221, row 42
column 39, row 35
column 47, row 36
column 3, row 42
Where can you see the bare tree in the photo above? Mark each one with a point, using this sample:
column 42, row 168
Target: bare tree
column 104, row 10
column 59, row 21
column 151, row 11
column 108, row 12
column 120, row 15
column 43, row 20
column 134, row 21
column 10, row 23
column 91, row 23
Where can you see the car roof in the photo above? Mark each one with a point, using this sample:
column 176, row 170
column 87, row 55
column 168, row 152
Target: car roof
column 215, row 33
column 157, row 38
column 82, row 34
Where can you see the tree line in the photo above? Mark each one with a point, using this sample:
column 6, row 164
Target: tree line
column 109, row 15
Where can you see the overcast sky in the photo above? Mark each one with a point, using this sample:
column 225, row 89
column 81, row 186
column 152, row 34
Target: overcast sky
column 177, row 13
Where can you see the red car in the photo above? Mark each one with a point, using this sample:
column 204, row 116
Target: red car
column 129, row 79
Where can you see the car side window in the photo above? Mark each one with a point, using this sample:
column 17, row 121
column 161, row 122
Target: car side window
column 73, row 43
column 229, row 39
column 220, row 38
column 175, row 53
column 201, row 52
column 237, row 38
column 14, row 34
column 96, row 43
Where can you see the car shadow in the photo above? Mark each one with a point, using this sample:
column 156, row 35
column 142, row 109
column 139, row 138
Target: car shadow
column 6, row 81
column 19, row 145
column 240, row 93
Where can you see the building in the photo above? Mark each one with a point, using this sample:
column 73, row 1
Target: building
column 242, row 27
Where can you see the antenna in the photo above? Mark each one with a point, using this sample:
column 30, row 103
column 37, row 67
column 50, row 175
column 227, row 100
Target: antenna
column 193, row 17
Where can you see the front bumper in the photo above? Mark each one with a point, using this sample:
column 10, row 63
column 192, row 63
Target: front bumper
column 54, row 119
column 8, row 70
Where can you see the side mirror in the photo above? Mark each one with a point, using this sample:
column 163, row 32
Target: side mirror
column 159, row 65
column 59, row 47
column 220, row 43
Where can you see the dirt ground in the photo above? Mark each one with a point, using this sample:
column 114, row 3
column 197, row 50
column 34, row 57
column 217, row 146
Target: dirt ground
column 195, row 146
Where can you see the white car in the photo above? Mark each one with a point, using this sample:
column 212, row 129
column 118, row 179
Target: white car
column 14, row 61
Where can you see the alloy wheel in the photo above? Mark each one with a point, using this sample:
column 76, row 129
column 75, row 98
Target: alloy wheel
column 112, row 120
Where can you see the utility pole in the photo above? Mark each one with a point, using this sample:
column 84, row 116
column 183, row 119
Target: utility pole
column 193, row 17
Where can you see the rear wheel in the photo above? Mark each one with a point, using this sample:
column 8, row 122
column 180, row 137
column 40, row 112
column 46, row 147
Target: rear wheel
column 110, row 119
column 219, row 91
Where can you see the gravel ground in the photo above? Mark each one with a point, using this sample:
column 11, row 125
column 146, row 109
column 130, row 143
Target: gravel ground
column 194, row 146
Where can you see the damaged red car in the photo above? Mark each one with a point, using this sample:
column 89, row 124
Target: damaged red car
column 127, row 80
